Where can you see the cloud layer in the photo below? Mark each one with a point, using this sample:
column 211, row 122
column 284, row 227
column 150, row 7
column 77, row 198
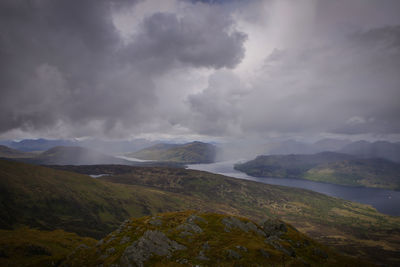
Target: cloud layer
column 121, row 69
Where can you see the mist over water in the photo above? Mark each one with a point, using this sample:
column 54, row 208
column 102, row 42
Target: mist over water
column 385, row 201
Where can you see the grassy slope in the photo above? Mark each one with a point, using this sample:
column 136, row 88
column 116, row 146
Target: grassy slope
column 6, row 152
column 50, row 199
column 195, row 152
column 354, row 228
column 290, row 166
column 31, row 247
column 219, row 241
column 336, row 168
column 378, row 173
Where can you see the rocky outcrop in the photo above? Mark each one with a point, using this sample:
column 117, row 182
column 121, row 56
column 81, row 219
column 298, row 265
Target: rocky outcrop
column 204, row 239
column 151, row 243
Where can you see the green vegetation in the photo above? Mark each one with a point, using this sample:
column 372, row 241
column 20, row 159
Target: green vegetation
column 195, row 152
column 6, row 152
column 327, row 167
column 191, row 238
column 74, row 155
column 52, row 199
column 353, row 228
column 378, row 173
column 31, row 247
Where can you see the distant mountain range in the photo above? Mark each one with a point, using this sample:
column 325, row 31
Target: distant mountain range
column 107, row 147
column 378, row 149
column 365, row 149
column 62, row 155
column 331, row 167
column 72, row 155
column 194, row 152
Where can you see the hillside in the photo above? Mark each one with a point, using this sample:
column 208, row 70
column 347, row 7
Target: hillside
column 289, row 166
column 327, row 167
column 31, row 247
column 52, row 199
column 194, row 152
column 73, row 155
column 6, row 152
column 353, row 228
column 379, row 173
column 198, row 239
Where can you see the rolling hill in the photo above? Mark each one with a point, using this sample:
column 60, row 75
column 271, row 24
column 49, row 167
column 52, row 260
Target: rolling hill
column 197, row 239
column 73, row 155
column 379, row 173
column 7, row 152
column 31, row 247
column 288, row 166
column 330, row 167
column 194, row 152
column 51, row 199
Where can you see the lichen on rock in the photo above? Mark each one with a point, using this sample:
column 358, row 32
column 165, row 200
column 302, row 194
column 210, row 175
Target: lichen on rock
column 151, row 243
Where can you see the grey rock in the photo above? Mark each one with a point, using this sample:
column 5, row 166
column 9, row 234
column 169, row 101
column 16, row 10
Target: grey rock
column 195, row 219
column 190, row 227
column 272, row 238
column 185, row 234
column 151, row 243
column 182, row 261
column 273, row 227
column 155, row 221
column 242, row 248
column 125, row 239
column 206, row 246
column 288, row 251
column 110, row 251
column 233, row 254
column 112, row 238
column 232, row 222
column 202, row 256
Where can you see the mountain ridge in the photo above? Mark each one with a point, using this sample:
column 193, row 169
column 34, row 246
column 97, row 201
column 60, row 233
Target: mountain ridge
column 188, row 153
column 330, row 167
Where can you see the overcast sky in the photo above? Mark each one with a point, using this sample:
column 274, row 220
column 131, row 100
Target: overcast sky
column 207, row 70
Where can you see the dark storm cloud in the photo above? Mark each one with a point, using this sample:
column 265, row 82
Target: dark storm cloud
column 64, row 64
column 225, row 68
column 349, row 85
column 50, row 50
column 201, row 41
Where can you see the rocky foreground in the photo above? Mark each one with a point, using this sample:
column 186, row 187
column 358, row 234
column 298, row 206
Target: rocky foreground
column 205, row 239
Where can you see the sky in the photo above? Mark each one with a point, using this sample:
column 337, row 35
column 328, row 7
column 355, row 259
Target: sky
column 204, row 70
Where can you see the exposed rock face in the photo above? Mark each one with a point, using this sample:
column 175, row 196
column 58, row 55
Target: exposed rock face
column 206, row 239
column 273, row 227
column 232, row 222
column 151, row 243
